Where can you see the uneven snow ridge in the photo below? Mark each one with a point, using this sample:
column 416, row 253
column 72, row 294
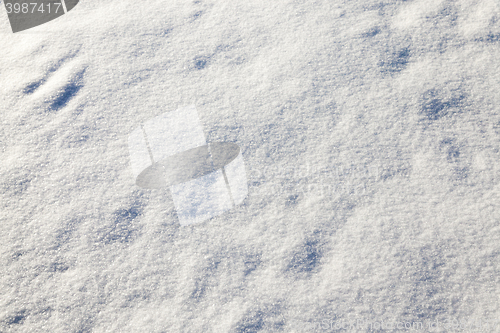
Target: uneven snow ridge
column 370, row 132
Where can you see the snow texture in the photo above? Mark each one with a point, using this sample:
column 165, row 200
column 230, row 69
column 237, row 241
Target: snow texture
column 370, row 132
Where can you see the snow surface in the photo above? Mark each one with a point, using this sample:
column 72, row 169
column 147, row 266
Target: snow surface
column 370, row 132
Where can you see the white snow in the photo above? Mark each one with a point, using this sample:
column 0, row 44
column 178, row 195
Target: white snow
column 370, row 131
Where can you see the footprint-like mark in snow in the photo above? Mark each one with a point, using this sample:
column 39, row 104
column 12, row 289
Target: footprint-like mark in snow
column 33, row 86
column 30, row 88
column 68, row 92
column 59, row 84
column 123, row 229
column 307, row 257
column 397, row 61
column 265, row 318
column 436, row 106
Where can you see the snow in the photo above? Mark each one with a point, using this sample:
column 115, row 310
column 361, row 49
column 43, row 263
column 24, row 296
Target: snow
column 369, row 131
